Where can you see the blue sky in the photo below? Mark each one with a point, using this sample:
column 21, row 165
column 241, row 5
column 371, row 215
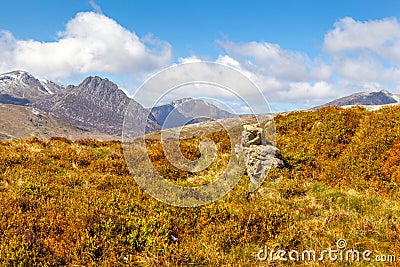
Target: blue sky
column 301, row 53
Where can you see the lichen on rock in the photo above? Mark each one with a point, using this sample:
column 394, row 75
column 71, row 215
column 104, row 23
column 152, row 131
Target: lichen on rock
column 259, row 154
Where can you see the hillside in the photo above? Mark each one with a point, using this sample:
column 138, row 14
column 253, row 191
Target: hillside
column 24, row 122
column 341, row 181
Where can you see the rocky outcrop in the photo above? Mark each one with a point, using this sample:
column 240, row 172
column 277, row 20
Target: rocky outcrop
column 259, row 159
column 253, row 135
column 260, row 155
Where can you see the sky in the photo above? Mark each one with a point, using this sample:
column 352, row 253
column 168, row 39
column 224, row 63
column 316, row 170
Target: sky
column 298, row 53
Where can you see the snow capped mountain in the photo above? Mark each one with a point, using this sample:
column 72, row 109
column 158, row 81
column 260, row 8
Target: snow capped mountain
column 372, row 98
column 51, row 87
column 20, row 87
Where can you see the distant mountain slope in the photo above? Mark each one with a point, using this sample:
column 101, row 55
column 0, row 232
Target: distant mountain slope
column 24, row 122
column 20, row 88
column 187, row 111
column 168, row 116
column 95, row 105
column 98, row 105
column 194, row 108
column 382, row 97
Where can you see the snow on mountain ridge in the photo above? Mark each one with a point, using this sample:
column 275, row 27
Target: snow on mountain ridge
column 396, row 97
column 378, row 97
column 45, row 85
column 18, row 85
column 51, row 87
column 17, row 74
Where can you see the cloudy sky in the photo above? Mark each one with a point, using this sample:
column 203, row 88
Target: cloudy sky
column 299, row 53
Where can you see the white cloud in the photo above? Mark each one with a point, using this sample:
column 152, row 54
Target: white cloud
column 91, row 42
column 280, row 74
column 272, row 60
column 379, row 36
column 367, row 69
column 7, row 45
column 302, row 94
column 366, row 52
column 202, row 80
column 308, row 90
column 190, row 59
column 356, row 56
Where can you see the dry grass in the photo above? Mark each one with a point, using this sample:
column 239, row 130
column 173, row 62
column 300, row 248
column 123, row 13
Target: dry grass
column 66, row 203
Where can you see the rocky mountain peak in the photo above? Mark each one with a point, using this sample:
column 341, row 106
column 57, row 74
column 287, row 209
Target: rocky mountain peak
column 99, row 89
column 187, row 111
column 18, row 76
column 193, row 108
column 98, row 83
column 96, row 104
column 20, row 87
column 181, row 101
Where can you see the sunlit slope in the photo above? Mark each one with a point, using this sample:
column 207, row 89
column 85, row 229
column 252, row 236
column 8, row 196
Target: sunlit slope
column 66, row 203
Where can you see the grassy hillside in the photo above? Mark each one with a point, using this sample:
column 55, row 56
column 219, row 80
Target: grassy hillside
column 24, row 122
column 66, row 203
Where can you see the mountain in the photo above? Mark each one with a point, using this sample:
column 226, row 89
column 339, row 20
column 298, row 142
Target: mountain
column 168, row 116
column 94, row 105
column 24, row 122
column 187, row 111
column 97, row 105
column 51, row 87
column 21, row 88
column 196, row 108
column 376, row 98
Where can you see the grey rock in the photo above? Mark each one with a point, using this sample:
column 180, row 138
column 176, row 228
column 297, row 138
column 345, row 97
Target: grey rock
column 259, row 159
column 259, row 154
column 253, row 135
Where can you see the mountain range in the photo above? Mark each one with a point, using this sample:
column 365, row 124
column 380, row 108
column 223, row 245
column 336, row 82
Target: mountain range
column 96, row 108
column 20, row 88
column 96, row 104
